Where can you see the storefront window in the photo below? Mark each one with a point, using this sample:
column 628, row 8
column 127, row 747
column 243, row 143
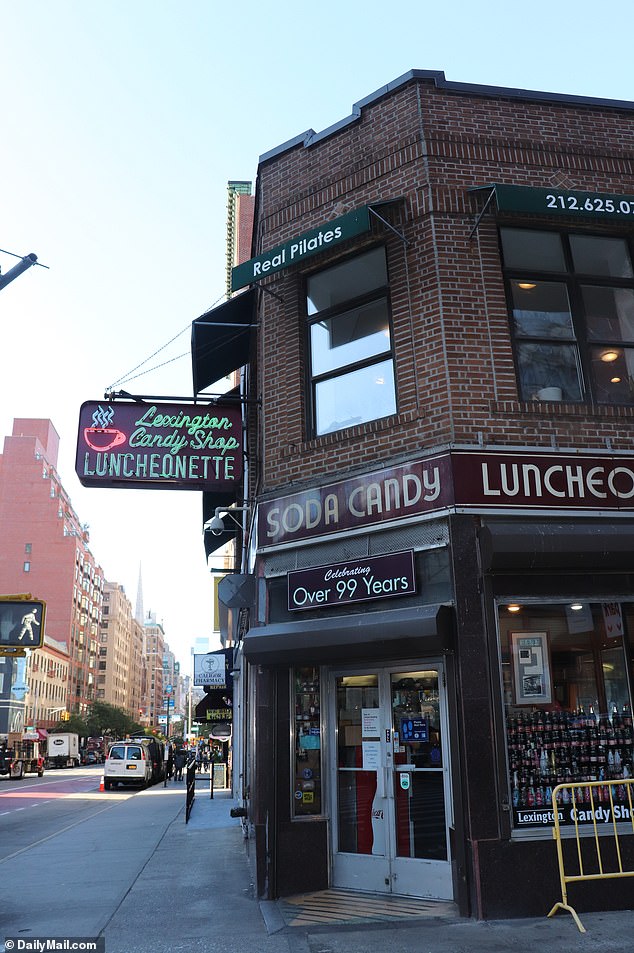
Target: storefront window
column 306, row 700
column 568, row 703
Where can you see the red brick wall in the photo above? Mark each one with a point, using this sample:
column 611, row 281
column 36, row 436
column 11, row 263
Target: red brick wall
column 454, row 363
column 34, row 509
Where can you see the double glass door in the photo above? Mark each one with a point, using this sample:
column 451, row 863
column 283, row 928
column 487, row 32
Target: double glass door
column 392, row 807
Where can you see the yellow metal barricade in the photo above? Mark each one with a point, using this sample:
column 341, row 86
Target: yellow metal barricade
column 598, row 815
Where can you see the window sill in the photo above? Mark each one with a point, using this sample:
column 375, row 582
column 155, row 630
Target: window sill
column 560, row 408
column 350, row 434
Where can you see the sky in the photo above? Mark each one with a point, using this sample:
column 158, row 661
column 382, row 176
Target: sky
column 122, row 123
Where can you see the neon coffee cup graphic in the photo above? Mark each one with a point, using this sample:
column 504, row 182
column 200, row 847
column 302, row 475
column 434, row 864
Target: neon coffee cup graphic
column 101, row 436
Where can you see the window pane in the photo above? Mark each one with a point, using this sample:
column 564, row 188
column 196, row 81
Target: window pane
column 524, row 248
column 595, row 255
column 581, row 728
column 350, row 337
column 347, row 281
column 609, row 313
column 552, row 368
column 355, row 398
column 613, row 374
column 541, row 309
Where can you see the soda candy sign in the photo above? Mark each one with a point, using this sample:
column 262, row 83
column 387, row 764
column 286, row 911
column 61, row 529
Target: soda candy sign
column 394, row 493
column 159, row 446
column 358, row 580
column 458, row 480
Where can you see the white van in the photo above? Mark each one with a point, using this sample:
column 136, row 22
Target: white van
column 128, row 762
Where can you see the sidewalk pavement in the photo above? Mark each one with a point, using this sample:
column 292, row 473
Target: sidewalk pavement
column 138, row 875
column 201, row 871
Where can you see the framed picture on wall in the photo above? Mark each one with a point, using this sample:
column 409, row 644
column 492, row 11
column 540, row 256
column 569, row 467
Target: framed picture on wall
column 532, row 679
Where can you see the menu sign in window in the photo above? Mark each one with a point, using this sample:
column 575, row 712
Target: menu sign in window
column 358, row 580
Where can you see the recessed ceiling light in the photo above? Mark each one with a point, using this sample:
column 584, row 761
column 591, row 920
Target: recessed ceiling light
column 609, row 356
column 526, row 285
column 615, row 380
column 514, row 607
column 576, row 606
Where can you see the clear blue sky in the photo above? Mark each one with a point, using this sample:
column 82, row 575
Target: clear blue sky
column 121, row 124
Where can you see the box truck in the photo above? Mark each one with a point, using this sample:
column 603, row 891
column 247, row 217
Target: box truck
column 63, row 750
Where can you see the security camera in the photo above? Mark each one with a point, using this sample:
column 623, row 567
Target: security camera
column 215, row 525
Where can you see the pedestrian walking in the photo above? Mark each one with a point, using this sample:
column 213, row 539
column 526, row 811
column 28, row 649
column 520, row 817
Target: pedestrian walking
column 179, row 764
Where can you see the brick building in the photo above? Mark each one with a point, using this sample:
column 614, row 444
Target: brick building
column 47, row 679
column 155, row 673
column 441, row 292
column 121, row 653
column 44, row 551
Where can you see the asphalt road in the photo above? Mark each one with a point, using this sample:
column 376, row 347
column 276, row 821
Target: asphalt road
column 69, row 852
column 36, row 808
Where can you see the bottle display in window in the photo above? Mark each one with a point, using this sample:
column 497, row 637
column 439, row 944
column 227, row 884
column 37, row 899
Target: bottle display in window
column 568, row 709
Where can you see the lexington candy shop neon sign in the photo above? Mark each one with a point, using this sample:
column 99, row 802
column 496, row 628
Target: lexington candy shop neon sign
column 159, row 445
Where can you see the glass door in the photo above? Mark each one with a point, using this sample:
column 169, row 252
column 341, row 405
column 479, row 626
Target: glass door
column 390, row 782
column 420, row 785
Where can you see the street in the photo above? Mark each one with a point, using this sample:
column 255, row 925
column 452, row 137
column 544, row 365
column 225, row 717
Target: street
column 36, row 808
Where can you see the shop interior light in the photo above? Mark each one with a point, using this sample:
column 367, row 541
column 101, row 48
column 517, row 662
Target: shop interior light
column 526, row 285
column 615, row 380
column 609, row 356
column 513, row 607
column 576, row 606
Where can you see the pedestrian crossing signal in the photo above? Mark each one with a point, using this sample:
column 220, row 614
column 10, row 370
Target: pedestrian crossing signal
column 21, row 623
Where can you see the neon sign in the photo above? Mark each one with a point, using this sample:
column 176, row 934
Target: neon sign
column 159, row 446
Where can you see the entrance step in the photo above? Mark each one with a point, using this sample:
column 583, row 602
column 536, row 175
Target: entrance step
column 335, row 906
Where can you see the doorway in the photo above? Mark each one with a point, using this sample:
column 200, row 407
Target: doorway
column 391, row 806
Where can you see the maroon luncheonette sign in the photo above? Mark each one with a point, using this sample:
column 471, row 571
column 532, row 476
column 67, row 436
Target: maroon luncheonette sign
column 538, row 481
column 159, row 445
column 358, row 580
column 472, row 481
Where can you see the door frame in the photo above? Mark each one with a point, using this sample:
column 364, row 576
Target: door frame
column 374, row 873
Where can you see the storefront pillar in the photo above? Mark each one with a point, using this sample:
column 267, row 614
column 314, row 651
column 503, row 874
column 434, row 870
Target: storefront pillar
column 476, row 791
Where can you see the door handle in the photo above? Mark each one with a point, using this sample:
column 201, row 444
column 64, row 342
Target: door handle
column 380, row 781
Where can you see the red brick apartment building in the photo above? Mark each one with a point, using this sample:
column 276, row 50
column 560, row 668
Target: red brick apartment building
column 440, row 310
column 44, row 551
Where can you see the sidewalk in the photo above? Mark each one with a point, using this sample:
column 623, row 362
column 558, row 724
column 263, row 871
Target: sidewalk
column 201, row 871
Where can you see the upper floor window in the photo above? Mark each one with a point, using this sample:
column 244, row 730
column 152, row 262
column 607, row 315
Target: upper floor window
column 571, row 299
column 350, row 343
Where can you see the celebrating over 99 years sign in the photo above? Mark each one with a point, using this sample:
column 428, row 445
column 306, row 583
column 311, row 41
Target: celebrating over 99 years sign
column 358, row 580
column 161, row 446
